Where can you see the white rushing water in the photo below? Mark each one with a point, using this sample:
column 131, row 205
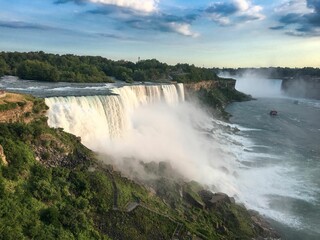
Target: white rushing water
column 150, row 123
column 99, row 119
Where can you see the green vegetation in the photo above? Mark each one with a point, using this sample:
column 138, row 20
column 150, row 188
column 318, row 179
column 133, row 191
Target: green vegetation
column 219, row 97
column 8, row 106
column 70, row 68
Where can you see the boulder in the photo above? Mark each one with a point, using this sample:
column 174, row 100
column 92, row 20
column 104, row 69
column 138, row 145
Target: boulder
column 192, row 200
column 214, row 199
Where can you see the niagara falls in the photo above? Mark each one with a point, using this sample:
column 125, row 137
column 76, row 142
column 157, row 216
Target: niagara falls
column 160, row 120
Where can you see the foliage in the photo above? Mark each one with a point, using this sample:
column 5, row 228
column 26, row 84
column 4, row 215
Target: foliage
column 70, row 68
column 8, row 106
column 36, row 70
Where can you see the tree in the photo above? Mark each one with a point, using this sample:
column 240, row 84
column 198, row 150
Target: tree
column 36, row 70
column 139, row 76
column 4, row 68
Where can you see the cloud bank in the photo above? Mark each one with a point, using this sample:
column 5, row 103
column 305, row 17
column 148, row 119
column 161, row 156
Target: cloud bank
column 148, row 15
column 293, row 17
column 146, row 6
column 299, row 18
column 232, row 12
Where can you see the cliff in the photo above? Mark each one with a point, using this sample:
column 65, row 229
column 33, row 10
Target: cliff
column 20, row 108
column 222, row 83
column 216, row 95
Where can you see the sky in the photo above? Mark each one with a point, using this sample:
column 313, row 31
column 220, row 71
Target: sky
column 231, row 33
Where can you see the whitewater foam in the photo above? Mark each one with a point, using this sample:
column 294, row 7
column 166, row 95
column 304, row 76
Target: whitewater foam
column 154, row 123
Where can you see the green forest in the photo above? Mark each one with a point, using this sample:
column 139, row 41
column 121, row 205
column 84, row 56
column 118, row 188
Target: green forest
column 71, row 68
column 94, row 69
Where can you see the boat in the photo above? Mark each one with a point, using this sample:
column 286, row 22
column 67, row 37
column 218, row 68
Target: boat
column 273, row 113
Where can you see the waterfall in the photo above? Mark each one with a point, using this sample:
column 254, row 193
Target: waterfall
column 144, row 123
column 259, row 86
column 99, row 119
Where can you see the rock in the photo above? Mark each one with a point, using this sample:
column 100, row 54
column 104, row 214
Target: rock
column 214, row 199
column 219, row 198
column 165, row 169
column 192, row 200
column 168, row 190
column 263, row 227
column 206, row 195
column 2, row 156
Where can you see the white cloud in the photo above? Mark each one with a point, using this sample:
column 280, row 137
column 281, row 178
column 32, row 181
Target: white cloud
column 221, row 20
column 248, row 10
column 183, row 29
column 146, row 6
column 293, row 6
column 255, row 12
column 234, row 12
column 243, row 5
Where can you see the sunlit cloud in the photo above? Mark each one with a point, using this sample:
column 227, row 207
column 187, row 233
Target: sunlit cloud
column 299, row 18
column 234, row 12
column 147, row 6
column 183, row 29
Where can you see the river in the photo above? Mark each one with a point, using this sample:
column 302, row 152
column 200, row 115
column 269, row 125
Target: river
column 281, row 178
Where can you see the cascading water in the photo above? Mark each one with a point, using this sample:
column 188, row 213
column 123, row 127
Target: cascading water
column 259, row 87
column 98, row 119
column 149, row 123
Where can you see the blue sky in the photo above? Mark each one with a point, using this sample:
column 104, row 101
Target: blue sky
column 232, row 33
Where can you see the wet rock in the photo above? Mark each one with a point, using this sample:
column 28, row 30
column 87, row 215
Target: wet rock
column 264, row 229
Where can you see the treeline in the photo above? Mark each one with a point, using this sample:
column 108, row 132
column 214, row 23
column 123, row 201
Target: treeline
column 71, row 68
column 273, row 72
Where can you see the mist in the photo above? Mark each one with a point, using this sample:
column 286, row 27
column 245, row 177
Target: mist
column 180, row 135
column 138, row 127
column 257, row 85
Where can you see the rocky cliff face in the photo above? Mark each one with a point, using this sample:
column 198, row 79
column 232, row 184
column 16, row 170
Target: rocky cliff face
column 215, row 95
column 223, row 83
column 20, row 108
